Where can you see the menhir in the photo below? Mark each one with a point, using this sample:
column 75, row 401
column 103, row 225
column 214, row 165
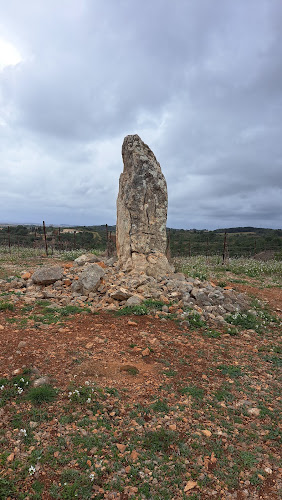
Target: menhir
column 142, row 211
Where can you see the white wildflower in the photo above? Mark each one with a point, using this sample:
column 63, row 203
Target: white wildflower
column 31, row 470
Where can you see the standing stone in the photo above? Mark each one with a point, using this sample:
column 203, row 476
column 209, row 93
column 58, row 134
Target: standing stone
column 142, row 211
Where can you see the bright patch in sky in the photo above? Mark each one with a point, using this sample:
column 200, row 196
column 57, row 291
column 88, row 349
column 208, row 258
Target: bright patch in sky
column 9, row 55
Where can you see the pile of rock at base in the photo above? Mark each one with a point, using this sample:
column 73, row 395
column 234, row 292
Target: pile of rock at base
column 103, row 285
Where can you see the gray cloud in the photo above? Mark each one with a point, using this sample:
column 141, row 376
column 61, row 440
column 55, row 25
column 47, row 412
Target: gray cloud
column 199, row 81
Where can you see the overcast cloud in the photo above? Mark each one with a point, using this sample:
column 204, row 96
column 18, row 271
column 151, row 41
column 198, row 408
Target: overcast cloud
column 199, row 80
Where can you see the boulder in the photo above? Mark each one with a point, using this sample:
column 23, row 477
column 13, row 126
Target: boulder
column 90, row 279
column 141, row 211
column 47, row 275
column 85, row 258
column 120, row 294
column 134, row 300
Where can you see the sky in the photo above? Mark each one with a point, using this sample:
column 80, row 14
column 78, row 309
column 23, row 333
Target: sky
column 200, row 81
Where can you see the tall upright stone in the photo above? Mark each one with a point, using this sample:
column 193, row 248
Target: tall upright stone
column 142, row 210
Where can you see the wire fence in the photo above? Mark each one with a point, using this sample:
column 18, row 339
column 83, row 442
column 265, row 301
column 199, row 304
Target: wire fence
column 52, row 240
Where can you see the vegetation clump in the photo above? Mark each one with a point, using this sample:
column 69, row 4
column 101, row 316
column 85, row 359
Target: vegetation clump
column 42, row 394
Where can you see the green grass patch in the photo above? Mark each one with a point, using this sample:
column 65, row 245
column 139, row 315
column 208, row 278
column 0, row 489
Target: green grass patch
column 230, row 370
column 6, row 306
column 194, row 319
column 160, row 406
column 42, row 394
column 160, row 440
column 192, row 390
column 139, row 310
column 212, row 334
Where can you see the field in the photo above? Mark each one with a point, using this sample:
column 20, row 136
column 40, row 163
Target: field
column 139, row 407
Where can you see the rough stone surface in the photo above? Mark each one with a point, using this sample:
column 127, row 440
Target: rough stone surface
column 47, row 275
column 142, row 211
column 41, row 381
column 90, row 279
column 83, row 259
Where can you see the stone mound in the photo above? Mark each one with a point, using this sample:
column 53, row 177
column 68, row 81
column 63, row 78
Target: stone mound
column 105, row 286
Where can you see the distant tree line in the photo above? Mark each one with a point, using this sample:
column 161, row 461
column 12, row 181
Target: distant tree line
column 241, row 241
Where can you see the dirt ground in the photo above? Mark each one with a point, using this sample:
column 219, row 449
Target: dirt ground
column 144, row 357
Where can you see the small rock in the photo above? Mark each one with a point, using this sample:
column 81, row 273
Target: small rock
column 21, row 344
column 11, row 457
column 120, row 294
column 18, row 371
column 190, row 485
column 134, row 455
column 146, row 352
column 254, row 412
column 25, row 276
column 121, row 447
column 41, row 381
column 132, row 323
column 33, row 425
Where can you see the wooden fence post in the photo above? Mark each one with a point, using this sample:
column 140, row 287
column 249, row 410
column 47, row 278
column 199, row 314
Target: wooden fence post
column 168, row 252
column 9, row 239
column 60, row 248
column 224, row 255
column 45, row 238
column 207, row 250
column 107, row 241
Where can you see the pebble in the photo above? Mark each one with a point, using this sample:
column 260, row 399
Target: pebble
column 254, row 412
column 146, row 352
column 41, row 381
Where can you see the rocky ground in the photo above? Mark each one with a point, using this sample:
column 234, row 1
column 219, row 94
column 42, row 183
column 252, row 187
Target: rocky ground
column 127, row 386
column 103, row 285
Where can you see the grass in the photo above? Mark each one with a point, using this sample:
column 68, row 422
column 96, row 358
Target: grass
column 257, row 320
column 159, row 441
column 6, row 306
column 194, row 320
column 42, row 394
column 131, row 370
column 139, row 310
column 42, row 312
column 192, row 390
column 230, row 370
column 148, row 306
column 203, row 268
